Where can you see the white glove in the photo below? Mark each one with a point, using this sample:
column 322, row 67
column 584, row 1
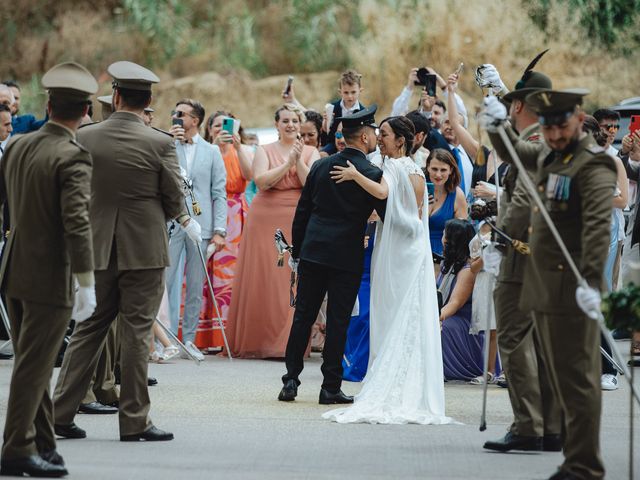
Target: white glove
column 293, row 264
column 193, row 230
column 588, row 299
column 493, row 114
column 491, row 258
column 211, row 249
column 85, row 303
column 487, row 76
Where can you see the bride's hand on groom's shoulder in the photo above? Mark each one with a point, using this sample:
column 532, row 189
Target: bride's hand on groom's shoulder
column 344, row 174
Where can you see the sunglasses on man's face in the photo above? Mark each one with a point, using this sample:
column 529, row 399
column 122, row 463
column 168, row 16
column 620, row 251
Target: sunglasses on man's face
column 610, row 126
column 180, row 114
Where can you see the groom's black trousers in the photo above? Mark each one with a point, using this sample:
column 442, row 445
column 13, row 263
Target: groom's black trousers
column 314, row 281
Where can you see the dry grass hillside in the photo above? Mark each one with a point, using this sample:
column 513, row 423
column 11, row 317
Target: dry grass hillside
column 239, row 58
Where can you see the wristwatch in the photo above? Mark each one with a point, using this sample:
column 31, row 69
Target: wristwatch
column 220, row 231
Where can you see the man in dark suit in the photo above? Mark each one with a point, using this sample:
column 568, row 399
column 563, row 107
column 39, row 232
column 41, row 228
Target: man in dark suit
column 328, row 252
column 46, row 178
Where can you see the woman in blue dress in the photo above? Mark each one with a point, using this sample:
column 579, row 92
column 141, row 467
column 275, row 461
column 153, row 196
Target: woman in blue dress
column 461, row 351
column 356, row 349
column 448, row 199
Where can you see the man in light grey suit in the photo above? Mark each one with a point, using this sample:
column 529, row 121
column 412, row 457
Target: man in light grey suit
column 202, row 164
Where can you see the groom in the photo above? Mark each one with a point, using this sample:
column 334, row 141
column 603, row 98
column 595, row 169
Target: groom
column 328, row 252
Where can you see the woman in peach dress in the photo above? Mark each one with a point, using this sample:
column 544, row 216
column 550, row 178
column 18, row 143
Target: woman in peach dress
column 260, row 316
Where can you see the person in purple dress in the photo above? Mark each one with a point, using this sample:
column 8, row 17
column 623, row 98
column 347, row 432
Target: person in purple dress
column 461, row 351
column 448, row 198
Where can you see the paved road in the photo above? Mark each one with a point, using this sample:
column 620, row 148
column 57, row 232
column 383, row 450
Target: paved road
column 228, row 424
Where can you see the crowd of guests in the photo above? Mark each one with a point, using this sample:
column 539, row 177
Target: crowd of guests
column 243, row 192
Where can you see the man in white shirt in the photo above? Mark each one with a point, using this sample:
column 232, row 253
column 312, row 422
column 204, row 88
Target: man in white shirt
column 203, row 166
column 427, row 103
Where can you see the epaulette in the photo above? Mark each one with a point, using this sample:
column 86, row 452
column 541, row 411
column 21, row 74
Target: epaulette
column 162, row 131
column 595, row 149
column 534, row 137
column 73, row 141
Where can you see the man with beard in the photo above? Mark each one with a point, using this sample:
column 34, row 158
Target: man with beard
column 575, row 180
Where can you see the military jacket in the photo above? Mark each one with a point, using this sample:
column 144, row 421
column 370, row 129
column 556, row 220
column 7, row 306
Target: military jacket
column 136, row 188
column 513, row 218
column 45, row 177
column 577, row 190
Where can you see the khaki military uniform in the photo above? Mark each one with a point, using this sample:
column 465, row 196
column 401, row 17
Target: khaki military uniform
column 136, row 188
column 103, row 387
column 45, row 178
column 577, row 190
column 536, row 411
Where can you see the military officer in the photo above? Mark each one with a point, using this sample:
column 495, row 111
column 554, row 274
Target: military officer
column 537, row 415
column 49, row 243
column 136, row 187
column 575, row 179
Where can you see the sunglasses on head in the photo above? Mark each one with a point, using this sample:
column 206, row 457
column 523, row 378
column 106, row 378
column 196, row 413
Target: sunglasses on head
column 339, row 135
column 610, row 126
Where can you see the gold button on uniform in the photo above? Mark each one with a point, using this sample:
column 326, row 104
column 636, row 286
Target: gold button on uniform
column 536, row 209
column 540, row 188
column 530, row 230
column 560, row 266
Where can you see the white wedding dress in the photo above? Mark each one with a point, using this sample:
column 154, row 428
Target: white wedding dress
column 404, row 383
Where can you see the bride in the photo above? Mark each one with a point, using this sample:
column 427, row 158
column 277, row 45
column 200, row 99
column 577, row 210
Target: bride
column 405, row 381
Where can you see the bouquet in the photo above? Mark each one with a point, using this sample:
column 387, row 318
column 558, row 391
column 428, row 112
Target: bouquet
column 621, row 309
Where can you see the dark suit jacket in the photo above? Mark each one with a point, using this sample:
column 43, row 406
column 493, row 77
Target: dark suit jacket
column 46, row 179
column 329, row 139
column 136, row 188
column 27, row 123
column 331, row 218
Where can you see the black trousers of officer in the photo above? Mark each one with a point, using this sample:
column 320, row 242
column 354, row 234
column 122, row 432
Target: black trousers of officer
column 314, row 282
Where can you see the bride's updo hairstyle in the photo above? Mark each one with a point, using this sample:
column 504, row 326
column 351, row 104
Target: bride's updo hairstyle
column 457, row 235
column 403, row 128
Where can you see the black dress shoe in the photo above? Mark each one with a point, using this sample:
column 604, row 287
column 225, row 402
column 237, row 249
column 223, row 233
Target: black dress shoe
column 34, row 466
column 552, row 443
column 153, row 434
column 5, row 356
column 515, row 442
column 115, row 404
column 151, row 381
column 328, row 398
column 289, row 391
column 69, row 431
column 53, row 457
column 96, row 408
column 560, row 475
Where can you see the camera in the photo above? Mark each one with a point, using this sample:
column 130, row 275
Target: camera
column 481, row 210
column 426, row 80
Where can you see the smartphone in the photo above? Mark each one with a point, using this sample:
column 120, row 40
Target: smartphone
column 635, row 124
column 287, row 87
column 227, row 125
column 177, row 121
column 431, row 189
column 430, row 87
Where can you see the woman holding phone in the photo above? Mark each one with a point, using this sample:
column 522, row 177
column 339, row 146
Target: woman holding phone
column 260, row 315
column 219, row 130
column 448, row 198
